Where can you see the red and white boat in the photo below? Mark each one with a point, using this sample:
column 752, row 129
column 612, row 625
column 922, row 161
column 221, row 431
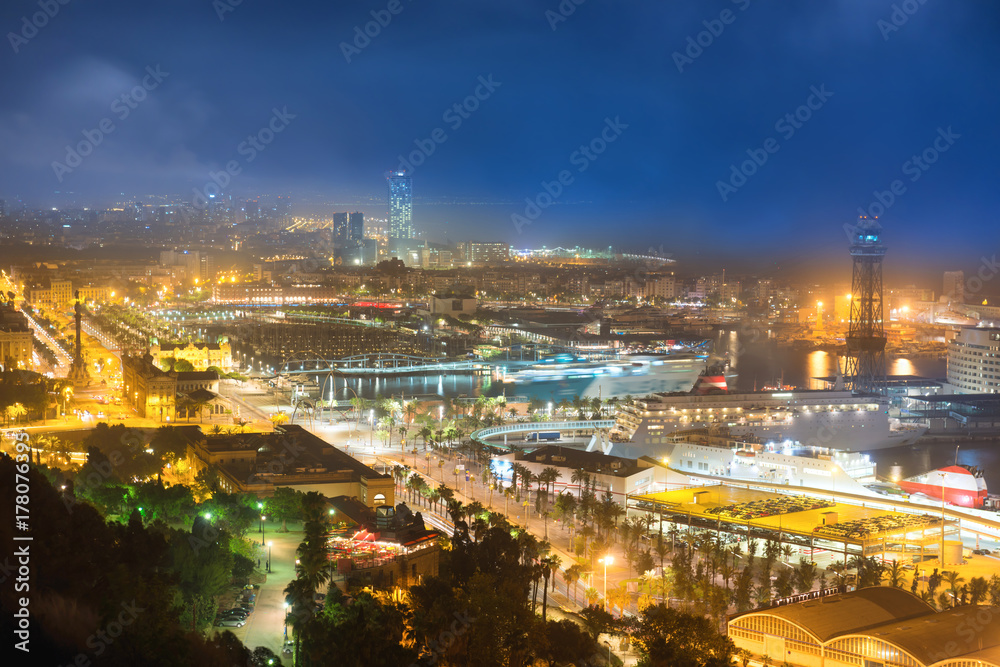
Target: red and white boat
column 963, row 486
column 711, row 381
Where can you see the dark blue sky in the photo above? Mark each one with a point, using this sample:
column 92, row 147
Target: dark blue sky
column 655, row 185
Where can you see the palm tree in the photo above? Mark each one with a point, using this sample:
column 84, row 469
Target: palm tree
column 893, row 573
column 618, row 596
column 953, row 580
column 978, row 590
column 805, row 576
column 301, row 606
column 433, row 496
column 425, row 432
column 411, row 409
column 15, row 412
column 64, row 448
column 572, row 576
column 549, row 565
column 549, row 476
column 586, row 533
column 592, row 595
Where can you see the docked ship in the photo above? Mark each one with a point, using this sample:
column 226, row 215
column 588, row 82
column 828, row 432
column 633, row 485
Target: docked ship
column 830, row 419
column 963, row 486
column 721, row 457
column 565, row 376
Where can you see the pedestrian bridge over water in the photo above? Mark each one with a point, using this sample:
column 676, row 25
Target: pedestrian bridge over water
column 596, row 428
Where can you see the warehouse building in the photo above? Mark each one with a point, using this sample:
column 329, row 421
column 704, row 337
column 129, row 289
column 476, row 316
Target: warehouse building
column 871, row 627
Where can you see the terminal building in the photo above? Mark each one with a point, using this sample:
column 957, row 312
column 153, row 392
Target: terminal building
column 289, row 457
column 871, row 627
column 974, row 360
column 16, row 339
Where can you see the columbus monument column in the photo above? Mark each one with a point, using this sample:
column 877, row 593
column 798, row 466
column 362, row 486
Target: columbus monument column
column 78, row 371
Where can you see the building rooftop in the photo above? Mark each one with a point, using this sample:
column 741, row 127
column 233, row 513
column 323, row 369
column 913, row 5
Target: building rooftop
column 180, row 346
column 566, row 457
column 202, row 395
column 852, row 613
column 958, row 636
column 926, row 637
column 196, row 376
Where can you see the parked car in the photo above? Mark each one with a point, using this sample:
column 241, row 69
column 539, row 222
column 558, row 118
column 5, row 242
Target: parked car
column 981, row 552
column 230, row 622
column 236, row 613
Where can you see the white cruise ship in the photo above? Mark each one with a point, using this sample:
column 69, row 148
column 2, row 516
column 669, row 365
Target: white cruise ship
column 564, row 376
column 837, row 420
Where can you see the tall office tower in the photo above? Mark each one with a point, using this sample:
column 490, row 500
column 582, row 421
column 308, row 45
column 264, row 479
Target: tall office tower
column 954, row 286
column 400, row 205
column 340, row 227
column 866, row 333
column 356, row 227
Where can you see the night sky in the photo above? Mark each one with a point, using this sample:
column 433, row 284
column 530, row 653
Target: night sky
column 881, row 92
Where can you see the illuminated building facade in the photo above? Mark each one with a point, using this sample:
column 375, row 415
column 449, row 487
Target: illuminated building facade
column 400, row 205
column 974, row 361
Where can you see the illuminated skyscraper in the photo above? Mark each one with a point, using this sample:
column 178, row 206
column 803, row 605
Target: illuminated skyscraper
column 400, row 205
column 340, row 229
column 356, row 227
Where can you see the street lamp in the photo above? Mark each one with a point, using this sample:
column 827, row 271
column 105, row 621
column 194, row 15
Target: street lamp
column 607, row 560
column 260, row 506
column 262, row 519
column 269, row 556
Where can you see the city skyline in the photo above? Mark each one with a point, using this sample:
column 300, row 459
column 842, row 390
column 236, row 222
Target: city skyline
column 679, row 130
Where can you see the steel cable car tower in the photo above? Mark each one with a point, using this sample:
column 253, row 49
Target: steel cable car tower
column 866, row 335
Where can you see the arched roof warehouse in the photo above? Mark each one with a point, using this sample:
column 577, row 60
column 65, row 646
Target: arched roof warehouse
column 881, row 625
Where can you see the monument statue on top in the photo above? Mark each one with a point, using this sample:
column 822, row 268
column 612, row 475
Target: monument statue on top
column 78, row 371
